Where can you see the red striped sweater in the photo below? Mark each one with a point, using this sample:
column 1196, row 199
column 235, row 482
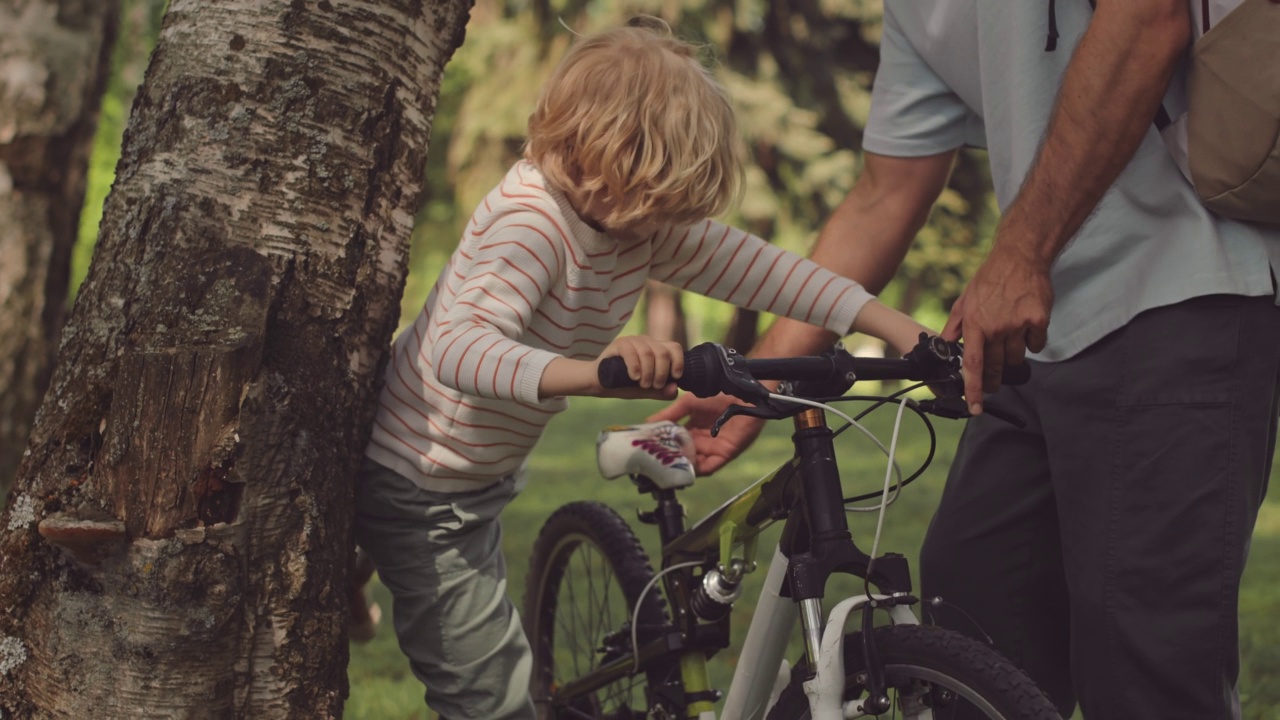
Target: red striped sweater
column 531, row 281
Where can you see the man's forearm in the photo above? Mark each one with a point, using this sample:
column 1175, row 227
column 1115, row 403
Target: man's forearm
column 1109, row 97
column 866, row 237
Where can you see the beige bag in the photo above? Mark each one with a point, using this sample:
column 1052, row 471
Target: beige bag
column 1232, row 125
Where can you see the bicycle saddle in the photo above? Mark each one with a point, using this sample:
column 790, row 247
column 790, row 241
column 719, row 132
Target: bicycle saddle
column 660, row 451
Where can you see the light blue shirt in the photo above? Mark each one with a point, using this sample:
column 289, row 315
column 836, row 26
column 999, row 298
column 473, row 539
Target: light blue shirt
column 975, row 72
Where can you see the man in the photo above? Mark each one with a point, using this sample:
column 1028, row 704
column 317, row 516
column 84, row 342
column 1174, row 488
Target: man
column 1101, row 547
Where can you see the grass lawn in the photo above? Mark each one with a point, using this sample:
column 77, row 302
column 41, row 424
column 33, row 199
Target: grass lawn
column 563, row 469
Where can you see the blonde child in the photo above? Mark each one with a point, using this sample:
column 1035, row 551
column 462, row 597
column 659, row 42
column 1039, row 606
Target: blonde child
column 630, row 149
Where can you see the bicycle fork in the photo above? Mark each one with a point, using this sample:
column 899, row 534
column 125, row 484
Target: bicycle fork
column 826, row 689
column 763, row 670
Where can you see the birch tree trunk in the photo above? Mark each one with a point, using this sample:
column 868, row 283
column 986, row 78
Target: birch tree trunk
column 54, row 61
column 176, row 543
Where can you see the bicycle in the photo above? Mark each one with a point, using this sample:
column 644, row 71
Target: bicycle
column 605, row 646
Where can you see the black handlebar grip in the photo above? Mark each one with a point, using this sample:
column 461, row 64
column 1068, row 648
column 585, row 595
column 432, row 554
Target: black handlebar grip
column 996, row 411
column 612, row 373
column 700, row 372
column 1015, row 374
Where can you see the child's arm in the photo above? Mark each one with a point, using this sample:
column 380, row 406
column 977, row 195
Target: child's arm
column 654, row 364
column 732, row 265
column 898, row 329
column 488, row 296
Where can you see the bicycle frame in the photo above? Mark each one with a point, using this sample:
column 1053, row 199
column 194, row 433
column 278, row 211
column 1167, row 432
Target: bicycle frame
column 814, row 545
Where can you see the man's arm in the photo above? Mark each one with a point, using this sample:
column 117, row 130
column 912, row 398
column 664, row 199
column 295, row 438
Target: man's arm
column 865, row 239
column 867, row 236
column 1110, row 93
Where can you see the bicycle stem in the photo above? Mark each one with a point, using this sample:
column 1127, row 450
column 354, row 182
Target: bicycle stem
column 820, row 477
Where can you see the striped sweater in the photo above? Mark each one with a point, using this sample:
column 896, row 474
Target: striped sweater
column 531, row 281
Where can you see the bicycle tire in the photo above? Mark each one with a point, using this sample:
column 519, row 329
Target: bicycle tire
column 932, row 662
column 572, row 539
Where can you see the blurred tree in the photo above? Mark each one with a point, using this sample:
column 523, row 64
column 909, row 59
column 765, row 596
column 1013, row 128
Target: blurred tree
column 53, row 68
column 177, row 539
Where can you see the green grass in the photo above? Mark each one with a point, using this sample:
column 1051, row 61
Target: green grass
column 563, row 470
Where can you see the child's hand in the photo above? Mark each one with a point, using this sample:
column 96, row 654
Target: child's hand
column 655, row 365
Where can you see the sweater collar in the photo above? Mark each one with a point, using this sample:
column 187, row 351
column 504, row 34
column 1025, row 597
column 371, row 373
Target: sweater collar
column 588, row 238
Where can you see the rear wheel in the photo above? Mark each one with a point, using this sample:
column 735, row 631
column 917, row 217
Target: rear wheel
column 586, row 573
column 931, row 673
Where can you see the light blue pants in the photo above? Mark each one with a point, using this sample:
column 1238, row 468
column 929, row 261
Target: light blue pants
column 440, row 555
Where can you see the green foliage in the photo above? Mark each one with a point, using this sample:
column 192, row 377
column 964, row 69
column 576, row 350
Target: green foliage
column 799, row 75
column 801, row 95
column 139, row 29
column 383, row 689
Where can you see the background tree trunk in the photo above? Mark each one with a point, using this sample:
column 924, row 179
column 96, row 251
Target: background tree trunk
column 177, row 540
column 664, row 317
column 54, row 62
column 744, row 326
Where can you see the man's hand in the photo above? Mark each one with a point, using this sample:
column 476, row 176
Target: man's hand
column 1003, row 313
column 711, row 453
column 1109, row 94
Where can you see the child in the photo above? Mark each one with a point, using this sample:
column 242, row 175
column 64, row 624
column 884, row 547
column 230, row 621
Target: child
column 631, row 147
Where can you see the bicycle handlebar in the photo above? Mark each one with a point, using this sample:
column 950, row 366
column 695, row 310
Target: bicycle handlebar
column 710, row 369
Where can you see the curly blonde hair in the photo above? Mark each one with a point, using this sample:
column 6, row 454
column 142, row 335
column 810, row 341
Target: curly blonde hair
column 633, row 116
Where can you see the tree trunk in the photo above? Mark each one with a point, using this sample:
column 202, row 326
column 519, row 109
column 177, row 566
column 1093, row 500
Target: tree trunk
column 54, row 60
column 743, row 330
column 664, row 314
column 177, row 540
column 744, row 327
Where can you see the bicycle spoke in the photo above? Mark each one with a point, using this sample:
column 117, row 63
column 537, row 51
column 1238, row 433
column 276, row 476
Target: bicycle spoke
column 593, row 634
column 583, row 610
column 575, row 617
column 581, row 622
column 614, row 693
column 608, row 606
column 590, row 638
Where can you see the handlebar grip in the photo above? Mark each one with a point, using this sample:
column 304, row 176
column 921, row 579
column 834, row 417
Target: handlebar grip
column 612, row 373
column 1015, row 374
column 998, row 412
column 702, row 375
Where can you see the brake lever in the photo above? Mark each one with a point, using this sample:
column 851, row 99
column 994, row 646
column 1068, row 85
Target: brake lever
column 765, row 412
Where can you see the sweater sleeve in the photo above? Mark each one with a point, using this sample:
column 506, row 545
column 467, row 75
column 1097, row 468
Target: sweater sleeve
column 729, row 264
column 494, row 285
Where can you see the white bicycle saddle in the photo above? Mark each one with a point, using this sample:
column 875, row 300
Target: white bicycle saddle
column 660, row 451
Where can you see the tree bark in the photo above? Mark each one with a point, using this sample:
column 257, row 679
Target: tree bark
column 177, row 540
column 743, row 330
column 54, row 61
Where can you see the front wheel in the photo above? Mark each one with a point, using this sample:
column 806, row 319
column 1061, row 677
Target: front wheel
column 587, row 572
column 931, row 673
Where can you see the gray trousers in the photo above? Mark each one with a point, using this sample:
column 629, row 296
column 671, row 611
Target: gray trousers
column 440, row 555
column 1101, row 548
